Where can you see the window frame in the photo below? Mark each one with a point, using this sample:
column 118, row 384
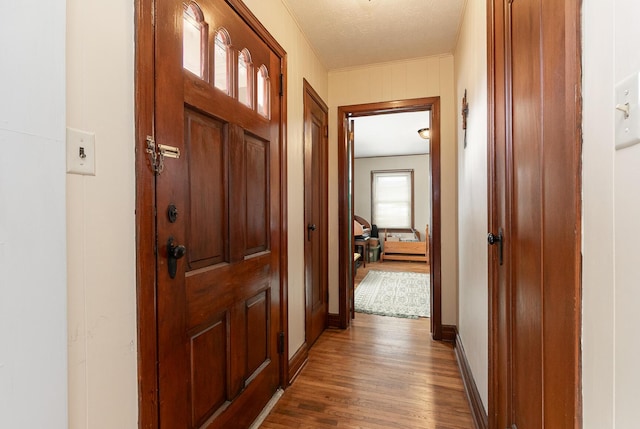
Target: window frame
column 403, row 171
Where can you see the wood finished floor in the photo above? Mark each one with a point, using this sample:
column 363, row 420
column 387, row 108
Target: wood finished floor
column 381, row 373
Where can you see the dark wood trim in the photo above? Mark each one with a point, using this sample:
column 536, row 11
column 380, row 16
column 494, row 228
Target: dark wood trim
column 345, row 241
column 284, row 226
column 334, row 321
column 297, row 362
column 345, row 245
column 478, row 412
column 312, row 92
column 436, row 225
column 253, row 22
column 495, row 56
column 148, row 411
column 449, row 333
column 148, row 401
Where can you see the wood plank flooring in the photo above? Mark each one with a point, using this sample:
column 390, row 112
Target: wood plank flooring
column 382, row 373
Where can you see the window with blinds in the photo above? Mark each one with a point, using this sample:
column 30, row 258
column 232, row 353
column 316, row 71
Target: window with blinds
column 392, row 198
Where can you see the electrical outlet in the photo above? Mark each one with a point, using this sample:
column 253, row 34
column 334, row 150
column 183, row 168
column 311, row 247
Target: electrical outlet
column 81, row 152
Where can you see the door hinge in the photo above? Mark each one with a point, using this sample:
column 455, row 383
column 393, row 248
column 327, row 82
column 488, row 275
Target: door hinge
column 157, row 154
column 280, row 342
column 281, row 84
column 326, row 130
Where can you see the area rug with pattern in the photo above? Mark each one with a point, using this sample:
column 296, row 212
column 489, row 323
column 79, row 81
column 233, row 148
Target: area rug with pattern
column 396, row 294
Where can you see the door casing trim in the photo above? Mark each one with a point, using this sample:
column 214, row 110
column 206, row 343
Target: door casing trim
column 345, row 218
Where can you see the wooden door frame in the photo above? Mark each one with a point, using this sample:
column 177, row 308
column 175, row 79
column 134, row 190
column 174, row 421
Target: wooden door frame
column 497, row 342
column 344, row 218
column 323, row 229
column 499, row 122
column 148, row 398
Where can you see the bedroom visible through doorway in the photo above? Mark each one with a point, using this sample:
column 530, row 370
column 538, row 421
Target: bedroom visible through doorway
column 404, row 212
column 392, row 199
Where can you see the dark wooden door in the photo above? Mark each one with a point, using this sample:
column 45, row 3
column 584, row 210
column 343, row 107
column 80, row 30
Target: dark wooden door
column 535, row 193
column 219, row 316
column 315, row 209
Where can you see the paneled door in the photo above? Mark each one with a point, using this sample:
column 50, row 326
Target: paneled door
column 535, row 215
column 316, row 133
column 218, row 202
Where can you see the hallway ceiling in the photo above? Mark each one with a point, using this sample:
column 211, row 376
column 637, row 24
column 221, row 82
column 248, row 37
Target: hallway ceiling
column 348, row 33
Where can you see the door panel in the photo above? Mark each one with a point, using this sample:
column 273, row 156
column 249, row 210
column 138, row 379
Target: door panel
column 257, row 312
column 257, row 186
column 219, row 318
column 208, row 370
column 527, row 146
column 206, row 142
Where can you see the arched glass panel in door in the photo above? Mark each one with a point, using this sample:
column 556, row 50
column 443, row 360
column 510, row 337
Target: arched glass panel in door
column 263, row 91
column 245, row 78
column 194, row 40
column 221, row 60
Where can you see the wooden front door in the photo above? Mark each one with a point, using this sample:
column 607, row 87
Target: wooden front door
column 535, row 215
column 218, row 218
column 316, row 119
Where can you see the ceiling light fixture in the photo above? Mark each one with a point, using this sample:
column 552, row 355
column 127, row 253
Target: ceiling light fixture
column 425, row 133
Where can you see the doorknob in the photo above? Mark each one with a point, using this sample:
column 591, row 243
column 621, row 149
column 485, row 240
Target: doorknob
column 493, row 239
column 499, row 239
column 310, row 228
column 174, row 252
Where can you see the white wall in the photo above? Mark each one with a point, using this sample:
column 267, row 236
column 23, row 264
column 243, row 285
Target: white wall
column 627, row 232
column 302, row 63
column 421, row 185
column 33, row 307
column 421, row 77
column 471, row 74
column 101, row 220
column 611, row 194
column 598, row 278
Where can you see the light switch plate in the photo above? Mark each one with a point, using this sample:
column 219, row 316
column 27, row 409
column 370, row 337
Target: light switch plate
column 628, row 126
column 81, row 152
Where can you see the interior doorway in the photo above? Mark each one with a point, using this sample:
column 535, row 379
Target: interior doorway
column 346, row 210
column 316, row 133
